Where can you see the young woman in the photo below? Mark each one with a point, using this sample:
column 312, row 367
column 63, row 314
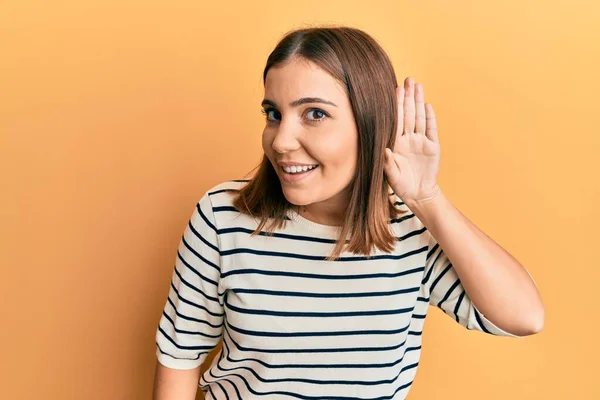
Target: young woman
column 318, row 272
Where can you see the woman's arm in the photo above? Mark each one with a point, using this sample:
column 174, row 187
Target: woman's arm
column 495, row 281
column 175, row 384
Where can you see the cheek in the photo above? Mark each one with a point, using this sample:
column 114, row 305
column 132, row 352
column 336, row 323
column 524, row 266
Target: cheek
column 338, row 150
column 267, row 140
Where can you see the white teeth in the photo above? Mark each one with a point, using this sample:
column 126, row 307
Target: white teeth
column 296, row 169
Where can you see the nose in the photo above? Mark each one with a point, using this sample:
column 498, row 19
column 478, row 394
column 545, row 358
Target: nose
column 286, row 138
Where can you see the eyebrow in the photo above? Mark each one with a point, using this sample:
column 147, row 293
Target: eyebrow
column 296, row 103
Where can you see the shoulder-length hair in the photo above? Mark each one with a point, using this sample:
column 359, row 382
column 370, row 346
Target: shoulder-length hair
column 357, row 61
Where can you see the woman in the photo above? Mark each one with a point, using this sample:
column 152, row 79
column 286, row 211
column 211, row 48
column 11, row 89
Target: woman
column 318, row 272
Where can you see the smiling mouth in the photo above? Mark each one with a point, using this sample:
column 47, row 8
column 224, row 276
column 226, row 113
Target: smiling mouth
column 298, row 170
column 298, row 175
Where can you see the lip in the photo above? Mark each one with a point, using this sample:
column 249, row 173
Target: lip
column 292, row 163
column 292, row 178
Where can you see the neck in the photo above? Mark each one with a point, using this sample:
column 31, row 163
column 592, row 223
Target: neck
column 321, row 216
column 330, row 212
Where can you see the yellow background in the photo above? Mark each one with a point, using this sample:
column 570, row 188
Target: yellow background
column 115, row 117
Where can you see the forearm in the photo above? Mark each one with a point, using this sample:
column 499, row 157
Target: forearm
column 494, row 280
column 173, row 384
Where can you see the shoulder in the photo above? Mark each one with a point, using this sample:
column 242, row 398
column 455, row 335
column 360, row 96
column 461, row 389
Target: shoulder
column 231, row 186
column 223, row 193
column 218, row 201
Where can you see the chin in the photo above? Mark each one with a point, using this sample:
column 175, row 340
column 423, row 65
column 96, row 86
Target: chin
column 298, row 197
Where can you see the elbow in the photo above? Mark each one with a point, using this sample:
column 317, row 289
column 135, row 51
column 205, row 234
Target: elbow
column 535, row 322
column 539, row 321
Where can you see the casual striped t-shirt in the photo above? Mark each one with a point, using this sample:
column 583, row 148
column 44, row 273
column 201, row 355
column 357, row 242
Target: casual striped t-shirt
column 294, row 325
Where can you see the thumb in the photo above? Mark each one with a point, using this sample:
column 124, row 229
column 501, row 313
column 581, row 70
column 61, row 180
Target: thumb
column 391, row 168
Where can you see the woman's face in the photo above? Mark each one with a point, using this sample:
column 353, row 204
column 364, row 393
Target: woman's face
column 310, row 126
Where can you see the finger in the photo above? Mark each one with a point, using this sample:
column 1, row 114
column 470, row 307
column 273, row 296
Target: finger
column 391, row 168
column 419, row 109
column 432, row 132
column 409, row 106
column 400, row 97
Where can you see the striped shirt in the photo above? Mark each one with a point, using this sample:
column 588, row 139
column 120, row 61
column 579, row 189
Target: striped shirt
column 294, row 325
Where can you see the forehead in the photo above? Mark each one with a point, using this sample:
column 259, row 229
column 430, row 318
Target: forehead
column 301, row 78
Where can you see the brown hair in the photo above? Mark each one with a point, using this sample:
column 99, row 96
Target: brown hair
column 357, row 61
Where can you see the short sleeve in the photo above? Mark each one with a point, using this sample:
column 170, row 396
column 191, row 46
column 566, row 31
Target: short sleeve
column 447, row 293
column 192, row 320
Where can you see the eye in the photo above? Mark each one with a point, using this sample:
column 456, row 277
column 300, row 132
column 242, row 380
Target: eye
column 316, row 114
column 271, row 114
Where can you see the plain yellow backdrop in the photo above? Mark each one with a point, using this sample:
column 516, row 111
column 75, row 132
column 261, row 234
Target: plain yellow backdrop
column 116, row 116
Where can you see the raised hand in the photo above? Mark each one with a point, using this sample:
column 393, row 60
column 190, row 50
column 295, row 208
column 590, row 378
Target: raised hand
column 412, row 167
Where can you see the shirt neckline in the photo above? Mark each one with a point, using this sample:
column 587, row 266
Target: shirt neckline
column 329, row 230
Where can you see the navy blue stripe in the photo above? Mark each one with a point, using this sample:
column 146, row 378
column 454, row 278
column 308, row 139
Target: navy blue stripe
column 401, row 219
column 304, row 397
column 433, row 249
column 209, row 348
column 412, row 233
column 431, row 268
column 222, row 389
column 210, row 383
column 206, row 261
column 186, row 301
column 317, row 334
column 199, row 236
column 217, row 378
column 306, row 314
column 212, row 395
column 225, row 208
column 313, row 381
column 316, row 350
column 277, row 235
column 321, row 276
column 448, row 293
column 427, row 276
column 222, row 191
column 480, row 321
column 179, row 358
column 439, row 278
column 224, row 231
column 210, row 224
column 457, row 307
column 320, row 258
column 315, row 366
column 200, row 321
column 224, row 379
column 323, row 295
column 195, row 271
column 201, row 292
